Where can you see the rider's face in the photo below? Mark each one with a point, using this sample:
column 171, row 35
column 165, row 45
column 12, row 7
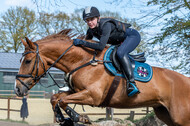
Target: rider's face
column 92, row 22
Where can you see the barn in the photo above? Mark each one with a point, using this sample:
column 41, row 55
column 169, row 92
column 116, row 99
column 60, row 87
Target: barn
column 9, row 67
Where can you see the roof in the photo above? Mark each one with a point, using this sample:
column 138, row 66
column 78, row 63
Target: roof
column 11, row 61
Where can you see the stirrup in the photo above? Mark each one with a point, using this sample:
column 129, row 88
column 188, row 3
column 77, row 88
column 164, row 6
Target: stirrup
column 134, row 89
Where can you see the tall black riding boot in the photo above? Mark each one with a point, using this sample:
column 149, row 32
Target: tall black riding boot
column 129, row 75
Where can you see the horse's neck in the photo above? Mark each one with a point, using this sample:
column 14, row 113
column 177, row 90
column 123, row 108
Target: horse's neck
column 75, row 57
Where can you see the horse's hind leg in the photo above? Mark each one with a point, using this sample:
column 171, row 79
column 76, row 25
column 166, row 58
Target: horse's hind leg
column 163, row 114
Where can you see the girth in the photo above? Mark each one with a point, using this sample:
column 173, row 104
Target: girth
column 111, row 91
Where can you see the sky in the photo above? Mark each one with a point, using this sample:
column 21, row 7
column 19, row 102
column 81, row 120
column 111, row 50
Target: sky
column 128, row 10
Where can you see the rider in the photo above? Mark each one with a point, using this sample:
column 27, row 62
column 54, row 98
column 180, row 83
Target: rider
column 114, row 32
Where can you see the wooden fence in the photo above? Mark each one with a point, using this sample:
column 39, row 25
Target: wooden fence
column 8, row 109
column 108, row 114
column 11, row 93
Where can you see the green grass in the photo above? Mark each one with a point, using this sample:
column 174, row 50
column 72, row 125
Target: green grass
column 143, row 118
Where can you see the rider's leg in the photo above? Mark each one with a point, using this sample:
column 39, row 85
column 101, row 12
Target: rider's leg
column 130, row 43
column 129, row 75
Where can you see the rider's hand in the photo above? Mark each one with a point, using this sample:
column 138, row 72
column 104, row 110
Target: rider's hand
column 77, row 42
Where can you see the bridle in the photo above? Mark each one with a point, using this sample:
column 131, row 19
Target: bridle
column 37, row 62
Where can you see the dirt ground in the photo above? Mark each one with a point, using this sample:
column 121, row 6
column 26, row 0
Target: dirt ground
column 103, row 123
column 40, row 112
column 4, row 123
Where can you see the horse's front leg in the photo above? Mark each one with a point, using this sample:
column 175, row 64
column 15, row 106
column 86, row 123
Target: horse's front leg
column 82, row 97
column 75, row 117
column 54, row 101
column 56, row 98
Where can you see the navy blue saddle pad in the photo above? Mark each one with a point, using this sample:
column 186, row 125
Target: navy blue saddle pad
column 142, row 71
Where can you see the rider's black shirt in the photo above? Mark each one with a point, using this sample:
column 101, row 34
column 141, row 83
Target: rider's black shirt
column 106, row 32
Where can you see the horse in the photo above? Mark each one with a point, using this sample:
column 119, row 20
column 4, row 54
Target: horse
column 168, row 92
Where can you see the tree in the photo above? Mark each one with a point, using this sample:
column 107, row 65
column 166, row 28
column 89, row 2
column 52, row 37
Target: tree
column 77, row 22
column 171, row 45
column 51, row 23
column 173, row 42
column 47, row 5
column 16, row 24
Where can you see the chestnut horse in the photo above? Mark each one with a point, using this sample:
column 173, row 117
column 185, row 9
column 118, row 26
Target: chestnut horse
column 168, row 92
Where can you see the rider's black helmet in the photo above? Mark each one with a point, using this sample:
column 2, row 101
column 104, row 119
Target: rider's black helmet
column 90, row 12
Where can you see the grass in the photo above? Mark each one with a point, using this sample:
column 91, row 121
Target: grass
column 143, row 118
column 123, row 121
column 104, row 119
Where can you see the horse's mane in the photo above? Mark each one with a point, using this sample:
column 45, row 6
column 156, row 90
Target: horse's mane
column 64, row 34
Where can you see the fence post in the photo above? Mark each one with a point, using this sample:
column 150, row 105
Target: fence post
column 147, row 110
column 132, row 114
column 8, row 109
column 112, row 112
column 109, row 112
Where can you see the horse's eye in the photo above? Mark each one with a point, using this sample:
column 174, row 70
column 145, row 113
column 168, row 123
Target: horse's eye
column 27, row 61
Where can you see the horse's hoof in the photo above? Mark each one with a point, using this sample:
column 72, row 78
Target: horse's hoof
column 59, row 119
column 84, row 119
column 67, row 122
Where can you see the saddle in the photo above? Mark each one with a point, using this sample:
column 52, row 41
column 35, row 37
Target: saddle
column 142, row 71
column 138, row 57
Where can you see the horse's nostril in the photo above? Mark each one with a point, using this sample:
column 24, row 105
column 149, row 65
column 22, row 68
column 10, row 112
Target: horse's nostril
column 18, row 89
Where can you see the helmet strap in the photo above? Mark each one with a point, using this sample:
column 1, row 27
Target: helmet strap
column 98, row 21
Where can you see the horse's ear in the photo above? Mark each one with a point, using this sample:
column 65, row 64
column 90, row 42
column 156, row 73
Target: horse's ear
column 23, row 42
column 30, row 43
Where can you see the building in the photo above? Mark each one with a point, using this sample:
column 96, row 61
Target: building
column 9, row 67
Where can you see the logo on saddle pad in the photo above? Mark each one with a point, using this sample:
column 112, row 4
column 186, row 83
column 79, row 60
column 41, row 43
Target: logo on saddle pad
column 142, row 71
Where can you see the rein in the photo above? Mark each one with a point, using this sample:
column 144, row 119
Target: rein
column 38, row 58
column 68, row 75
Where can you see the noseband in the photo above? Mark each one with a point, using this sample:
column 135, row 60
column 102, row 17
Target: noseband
column 37, row 60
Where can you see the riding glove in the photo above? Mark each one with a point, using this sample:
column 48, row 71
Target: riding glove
column 78, row 42
column 98, row 45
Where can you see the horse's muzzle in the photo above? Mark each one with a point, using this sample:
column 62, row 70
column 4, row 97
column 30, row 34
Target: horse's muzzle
column 20, row 90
